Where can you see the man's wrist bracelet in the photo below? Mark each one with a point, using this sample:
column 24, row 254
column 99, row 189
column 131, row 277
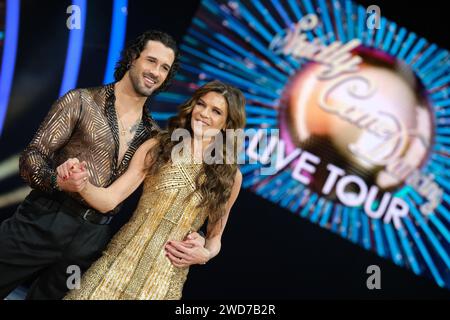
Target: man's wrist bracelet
column 54, row 182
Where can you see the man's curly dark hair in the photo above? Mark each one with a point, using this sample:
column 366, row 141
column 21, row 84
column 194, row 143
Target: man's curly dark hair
column 134, row 49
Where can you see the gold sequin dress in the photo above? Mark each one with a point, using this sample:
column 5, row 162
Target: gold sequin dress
column 134, row 264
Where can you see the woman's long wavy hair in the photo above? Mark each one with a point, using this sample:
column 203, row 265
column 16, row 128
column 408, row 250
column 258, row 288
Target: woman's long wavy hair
column 216, row 188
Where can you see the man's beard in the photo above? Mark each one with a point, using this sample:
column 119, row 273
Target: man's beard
column 139, row 88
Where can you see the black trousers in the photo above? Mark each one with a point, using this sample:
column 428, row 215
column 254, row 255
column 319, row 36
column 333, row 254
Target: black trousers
column 42, row 240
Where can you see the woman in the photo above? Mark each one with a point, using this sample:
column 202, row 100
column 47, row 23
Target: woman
column 178, row 196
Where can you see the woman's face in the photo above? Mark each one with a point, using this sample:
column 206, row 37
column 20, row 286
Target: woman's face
column 209, row 115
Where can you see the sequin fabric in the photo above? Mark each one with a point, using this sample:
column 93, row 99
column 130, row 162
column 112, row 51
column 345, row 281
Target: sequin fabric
column 134, row 265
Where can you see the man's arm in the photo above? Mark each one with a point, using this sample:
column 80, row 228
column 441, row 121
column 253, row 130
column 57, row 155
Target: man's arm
column 36, row 161
column 188, row 252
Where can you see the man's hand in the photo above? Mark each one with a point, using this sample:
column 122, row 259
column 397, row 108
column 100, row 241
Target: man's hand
column 72, row 175
column 194, row 239
column 187, row 252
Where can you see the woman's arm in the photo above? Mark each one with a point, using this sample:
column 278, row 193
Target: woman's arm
column 188, row 252
column 106, row 199
column 215, row 230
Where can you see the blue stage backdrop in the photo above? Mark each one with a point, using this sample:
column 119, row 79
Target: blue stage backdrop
column 362, row 109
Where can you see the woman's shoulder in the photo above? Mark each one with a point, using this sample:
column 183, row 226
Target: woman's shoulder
column 238, row 177
column 148, row 144
column 143, row 150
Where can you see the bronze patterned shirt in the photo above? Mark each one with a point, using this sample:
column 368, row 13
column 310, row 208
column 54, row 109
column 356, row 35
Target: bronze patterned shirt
column 81, row 124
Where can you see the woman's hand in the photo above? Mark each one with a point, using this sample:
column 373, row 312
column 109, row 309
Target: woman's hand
column 188, row 252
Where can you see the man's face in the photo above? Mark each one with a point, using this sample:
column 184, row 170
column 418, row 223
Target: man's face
column 151, row 68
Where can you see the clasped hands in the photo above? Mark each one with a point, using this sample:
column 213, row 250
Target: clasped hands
column 73, row 177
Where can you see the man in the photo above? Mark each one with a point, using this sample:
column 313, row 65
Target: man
column 53, row 228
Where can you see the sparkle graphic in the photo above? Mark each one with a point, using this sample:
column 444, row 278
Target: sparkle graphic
column 229, row 41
